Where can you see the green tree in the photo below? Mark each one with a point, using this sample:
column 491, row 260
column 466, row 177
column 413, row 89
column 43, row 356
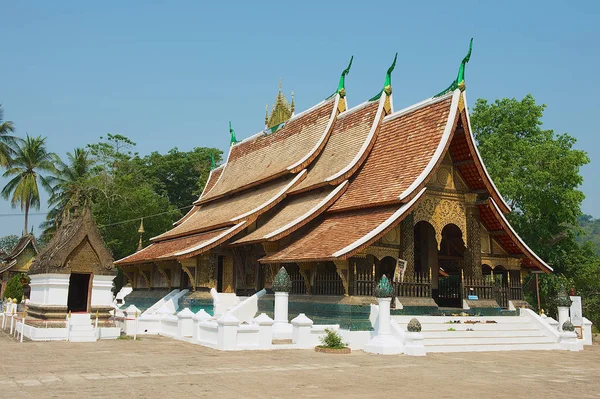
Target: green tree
column 538, row 173
column 7, row 243
column 123, row 194
column 7, row 140
column 179, row 176
column 14, row 288
column 536, row 170
column 32, row 166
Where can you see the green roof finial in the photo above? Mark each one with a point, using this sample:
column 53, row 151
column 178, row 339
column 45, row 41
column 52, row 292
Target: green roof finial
column 459, row 83
column 387, row 86
column 212, row 161
column 232, row 132
column 342, row 85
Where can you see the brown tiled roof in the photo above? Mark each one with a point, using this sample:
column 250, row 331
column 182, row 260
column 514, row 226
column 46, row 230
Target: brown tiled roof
column 167, row 249
column 224, row 211
column 349, row 134
column 404, row 147
column 333, row 233
column 295, row 212
column 266, row 156
column 212, row 180
column 464, row 151
column 23, row 242
column 493, row 220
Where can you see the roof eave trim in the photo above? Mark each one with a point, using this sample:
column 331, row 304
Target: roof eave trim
column 379, row 229
column 312, row 153
column 211, row 241
column 124, row 260
column 487, row 175
column 505, row 222
column 367, row 144
column 200, row 199
column 276, row 197
column 439, row 150
column 307, row 214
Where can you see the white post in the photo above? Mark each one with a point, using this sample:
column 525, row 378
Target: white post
column 301, row 333
column 22, row 326
column 185, row 324
column 383, row 342
column 96, row 327
column 282, row 329
column 201, row 315
column 136, row 324
column 68, row 325
column 563, row 315
column 265, row 330
column 12, row 318
column 227, row 332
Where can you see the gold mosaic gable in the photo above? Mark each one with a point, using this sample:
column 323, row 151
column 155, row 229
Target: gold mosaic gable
column 440, row 212
column 83, row 259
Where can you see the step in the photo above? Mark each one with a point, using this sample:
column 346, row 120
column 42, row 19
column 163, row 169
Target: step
column 476, row 327
column 443, row 319
column 82, row 328
column 482, row 334
column 490, row 348
column 485, row 341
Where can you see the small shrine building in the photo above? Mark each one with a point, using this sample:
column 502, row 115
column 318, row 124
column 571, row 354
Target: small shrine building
column 18, row 261
column 340, row 195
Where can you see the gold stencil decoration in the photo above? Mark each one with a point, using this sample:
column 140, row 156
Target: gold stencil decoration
column 440, row 212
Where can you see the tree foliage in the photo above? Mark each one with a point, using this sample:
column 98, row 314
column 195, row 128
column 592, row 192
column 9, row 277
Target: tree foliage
column 14, row 288
column 7, row 243
column 31, row 166
column 538, row 173
column 7, row 140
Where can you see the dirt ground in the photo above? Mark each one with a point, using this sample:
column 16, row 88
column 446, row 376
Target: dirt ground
column 156, row 367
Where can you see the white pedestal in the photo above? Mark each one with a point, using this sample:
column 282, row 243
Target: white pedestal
column 282, row 329
column 414, row 344
column 383, row 342
column 569, row 341
column 563, row 315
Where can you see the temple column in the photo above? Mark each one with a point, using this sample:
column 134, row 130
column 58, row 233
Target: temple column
column 472, row 261
column 407, row 244
column 306, row 269
column 342, row 268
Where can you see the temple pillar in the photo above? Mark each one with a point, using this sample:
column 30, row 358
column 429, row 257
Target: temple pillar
column 306, row 269
column 342, row 268
column 186, row 264
column 472, row 258
column 407, row 243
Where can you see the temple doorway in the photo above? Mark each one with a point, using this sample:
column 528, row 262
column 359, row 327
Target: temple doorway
column 450, row 261
column 79, row 289
column 219, row 274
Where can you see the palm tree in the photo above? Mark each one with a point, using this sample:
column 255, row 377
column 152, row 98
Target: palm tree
column 72, row 188
column 7, row 141
column 30, row 160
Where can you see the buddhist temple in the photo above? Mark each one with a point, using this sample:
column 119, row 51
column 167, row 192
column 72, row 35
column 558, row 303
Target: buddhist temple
column 342, row 194
column 18, row 261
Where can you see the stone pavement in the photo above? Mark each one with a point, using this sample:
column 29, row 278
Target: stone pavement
column 157, row 367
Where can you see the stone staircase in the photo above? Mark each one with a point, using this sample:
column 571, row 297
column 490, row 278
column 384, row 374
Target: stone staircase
column 507, row 333
column 81, row 329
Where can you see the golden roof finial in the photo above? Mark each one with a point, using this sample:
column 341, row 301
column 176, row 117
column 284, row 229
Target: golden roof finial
column 280, row 83
column 267, row 114
column 293, row 105
column 281, row 111
column 141, row 232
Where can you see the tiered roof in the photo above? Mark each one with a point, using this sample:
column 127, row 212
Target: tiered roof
column 338, row 178
column 10, row 260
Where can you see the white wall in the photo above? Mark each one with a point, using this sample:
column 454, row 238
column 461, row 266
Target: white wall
column 101, row 291
column 49, row 289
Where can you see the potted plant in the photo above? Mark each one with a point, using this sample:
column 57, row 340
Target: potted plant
column 332, row 342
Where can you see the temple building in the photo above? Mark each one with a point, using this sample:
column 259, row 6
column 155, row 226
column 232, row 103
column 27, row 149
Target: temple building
column 18, row 261
column 340, row 195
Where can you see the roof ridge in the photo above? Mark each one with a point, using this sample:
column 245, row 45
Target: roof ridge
column 417, row 106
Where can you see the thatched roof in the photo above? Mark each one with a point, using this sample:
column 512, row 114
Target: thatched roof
column 76, row 247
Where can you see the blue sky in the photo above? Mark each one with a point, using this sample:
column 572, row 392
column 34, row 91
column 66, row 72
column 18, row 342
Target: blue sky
column 172, row 74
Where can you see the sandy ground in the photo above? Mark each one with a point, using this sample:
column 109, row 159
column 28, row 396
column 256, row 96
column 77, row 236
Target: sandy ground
column 156, row 367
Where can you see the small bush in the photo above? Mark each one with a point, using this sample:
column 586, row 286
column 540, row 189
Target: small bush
column 332, row 340
column 14, row 288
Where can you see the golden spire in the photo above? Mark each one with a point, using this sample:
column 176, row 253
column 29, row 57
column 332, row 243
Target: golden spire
column 281, row 111
column 266, row 114
column 141, row 232
column 293, row 105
